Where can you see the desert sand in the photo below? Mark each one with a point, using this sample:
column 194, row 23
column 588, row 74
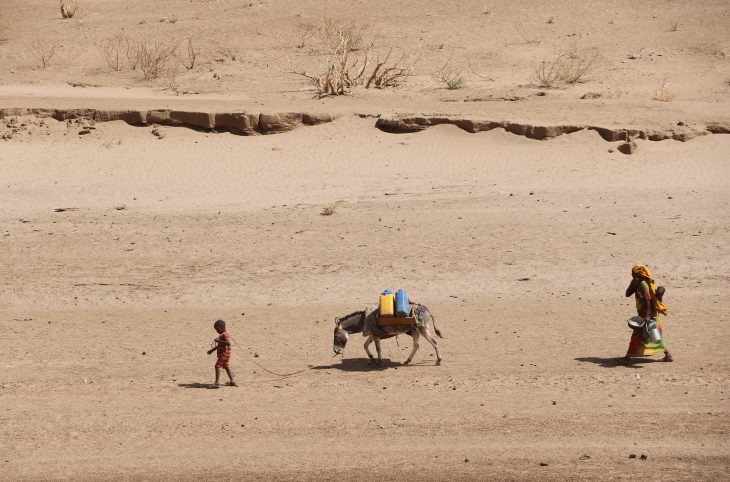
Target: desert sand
column 121, row 247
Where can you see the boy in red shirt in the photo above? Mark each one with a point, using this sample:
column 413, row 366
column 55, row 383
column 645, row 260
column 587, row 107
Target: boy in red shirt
column 223, row 346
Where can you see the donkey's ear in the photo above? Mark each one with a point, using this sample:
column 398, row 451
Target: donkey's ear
column 337, row 321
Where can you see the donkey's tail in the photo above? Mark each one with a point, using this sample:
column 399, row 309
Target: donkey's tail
column 433, row 319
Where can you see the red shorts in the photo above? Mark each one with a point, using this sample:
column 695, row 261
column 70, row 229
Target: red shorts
column 222, row 363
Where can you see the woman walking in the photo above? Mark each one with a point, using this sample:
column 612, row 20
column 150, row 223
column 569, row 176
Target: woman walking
column 649, row 306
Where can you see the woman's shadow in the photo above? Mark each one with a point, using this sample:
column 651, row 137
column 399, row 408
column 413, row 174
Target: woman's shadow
column 616, row 362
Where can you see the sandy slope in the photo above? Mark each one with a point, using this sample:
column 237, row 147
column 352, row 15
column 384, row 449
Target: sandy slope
column 521, row 248
column 225, row 225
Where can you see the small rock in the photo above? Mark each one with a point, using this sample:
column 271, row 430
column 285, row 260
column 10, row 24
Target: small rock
column 466, row 459
column 632, row 456
column 627, row 147
column 610, row 151
column 670, row 197
column 584, row 457
column 681, row 123
column 83, row 132
column 644, row 457
column 144, row 352
column 543, row 464
column 555, row 402
column 255, row 355
column 156, row 132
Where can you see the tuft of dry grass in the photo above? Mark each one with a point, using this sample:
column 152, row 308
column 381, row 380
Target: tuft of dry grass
column 575, row 68
column 662, row 93
column 330, row 209
column 551, row 19
column 674, row 25
column 565, row 68
column 69, row 9
column 453, row 78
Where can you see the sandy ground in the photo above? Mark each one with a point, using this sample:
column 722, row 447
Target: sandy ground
column 107, row 312
column 521, row 248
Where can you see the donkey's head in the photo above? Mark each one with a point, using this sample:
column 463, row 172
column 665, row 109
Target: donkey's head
column 341, row 337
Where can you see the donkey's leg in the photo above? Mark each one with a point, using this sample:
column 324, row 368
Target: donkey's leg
column 415, row 336
column 433, row 343
column 367, row 346
column 377, row 348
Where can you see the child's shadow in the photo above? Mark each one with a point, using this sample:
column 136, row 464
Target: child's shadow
column 195, row 385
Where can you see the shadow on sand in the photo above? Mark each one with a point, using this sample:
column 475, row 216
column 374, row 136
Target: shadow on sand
column 359, row 365
column 195, row 385
column 616, row 362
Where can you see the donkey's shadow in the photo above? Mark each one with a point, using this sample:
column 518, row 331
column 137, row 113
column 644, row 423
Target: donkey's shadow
column 359, row 365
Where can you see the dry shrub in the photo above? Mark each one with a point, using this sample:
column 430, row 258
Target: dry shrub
column 69, row 8
column 390, row 75
column 344, row 62
column 303, row 32
column 662, row 93
column 547, row 72
column 153, row 57
column 172, row 82
column 44, row 50
column 112, row 49
column 332, row 35
column 132, row 49
column 190, row 56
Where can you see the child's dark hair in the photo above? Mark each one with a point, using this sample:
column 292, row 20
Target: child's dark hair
column 219, row 325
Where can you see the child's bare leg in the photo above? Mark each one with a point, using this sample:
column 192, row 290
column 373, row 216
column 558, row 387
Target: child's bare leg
column 232, row 383
column 217, row 377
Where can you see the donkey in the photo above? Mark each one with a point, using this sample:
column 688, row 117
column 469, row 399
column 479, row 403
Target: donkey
column 363, row 321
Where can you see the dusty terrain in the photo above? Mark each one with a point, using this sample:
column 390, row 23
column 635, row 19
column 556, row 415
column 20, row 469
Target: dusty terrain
column 120, row 248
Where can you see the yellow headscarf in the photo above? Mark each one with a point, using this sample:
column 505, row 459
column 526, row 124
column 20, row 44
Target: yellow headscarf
column 644, row 273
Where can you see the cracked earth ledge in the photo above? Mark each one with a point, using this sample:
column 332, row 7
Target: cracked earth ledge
column 249, row 123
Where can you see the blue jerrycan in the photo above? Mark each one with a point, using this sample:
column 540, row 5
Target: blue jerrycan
column 401, row 304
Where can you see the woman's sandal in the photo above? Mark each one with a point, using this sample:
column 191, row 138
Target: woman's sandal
column 231, row 384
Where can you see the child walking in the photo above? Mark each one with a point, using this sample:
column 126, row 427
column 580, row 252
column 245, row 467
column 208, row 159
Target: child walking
column 223, row 346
